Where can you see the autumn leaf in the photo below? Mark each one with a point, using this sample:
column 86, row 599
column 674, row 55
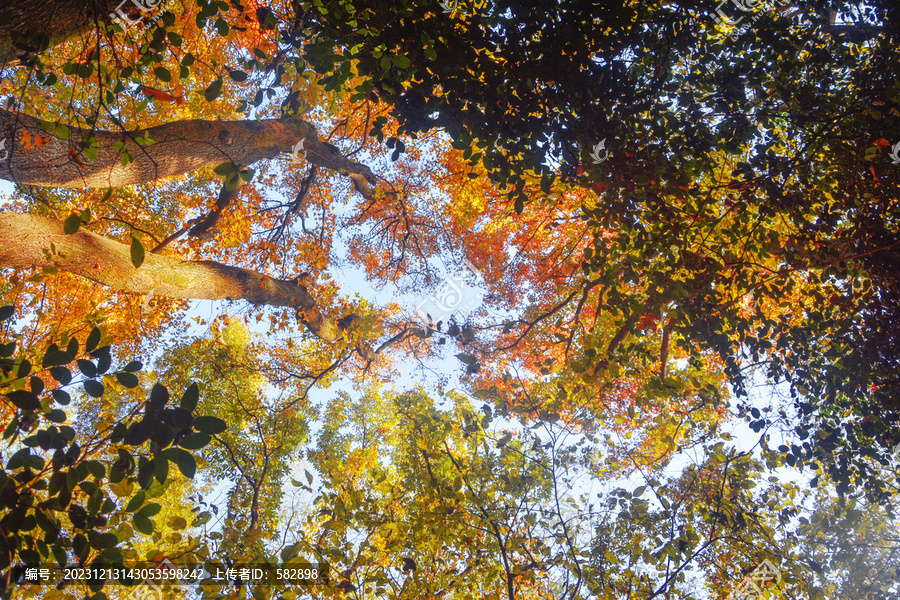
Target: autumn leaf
column 161, row 95
column 73, row 154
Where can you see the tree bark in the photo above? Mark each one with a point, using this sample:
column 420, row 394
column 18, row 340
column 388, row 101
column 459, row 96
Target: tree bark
column 32, row 241
column 177, row 148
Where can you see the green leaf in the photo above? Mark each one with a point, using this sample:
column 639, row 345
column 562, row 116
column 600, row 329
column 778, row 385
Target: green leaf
column 195, row 441
column 214, row 90
column 159, row 396
column 161, row 470
column 18, row 459
column 150, row 509
column 466, row 358
column 133, row 366
column 401, row 61
column 71, row 224
column 129, row 380
column 222, row 27
column 61, row 374
column 137, row 252
column 185, row 461
column 232, row 182
column 138, row 433
column 176, row 522
column 237, row 75
column 61, row 396
column 210, row 425
column 24, row 399
column 93, row 388
column 56, row 416
column 92, row 340
column 91, row 153
column 55, row 357
column 6, row 312
column 190, row 398
column 87, row 367
column 145, row 473
column 104, row 540
column 163, row 74
column 143, row 524
column 224, row 169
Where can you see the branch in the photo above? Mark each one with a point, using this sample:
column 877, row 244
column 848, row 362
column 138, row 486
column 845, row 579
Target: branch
column 209, row 225
column 26, row 241
column 163, row 151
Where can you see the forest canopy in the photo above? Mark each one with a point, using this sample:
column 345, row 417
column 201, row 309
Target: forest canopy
column 450, row 299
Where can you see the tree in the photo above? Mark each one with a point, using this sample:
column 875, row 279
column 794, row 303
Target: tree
column 727, row 189
column 683, row 205
column 70, row 491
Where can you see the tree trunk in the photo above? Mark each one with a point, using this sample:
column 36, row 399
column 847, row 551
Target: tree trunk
column 32, row 241
column 177, row 148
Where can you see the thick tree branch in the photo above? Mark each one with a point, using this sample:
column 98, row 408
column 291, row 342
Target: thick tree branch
column 26, row 241
column 174, row 149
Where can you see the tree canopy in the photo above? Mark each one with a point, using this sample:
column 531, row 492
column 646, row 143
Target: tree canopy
column 663, row 352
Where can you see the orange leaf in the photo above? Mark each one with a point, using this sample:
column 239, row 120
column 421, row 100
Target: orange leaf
column 26, row 140
column 40, row 140
column 74, row 154
column 881, row 143
column 161, row 95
